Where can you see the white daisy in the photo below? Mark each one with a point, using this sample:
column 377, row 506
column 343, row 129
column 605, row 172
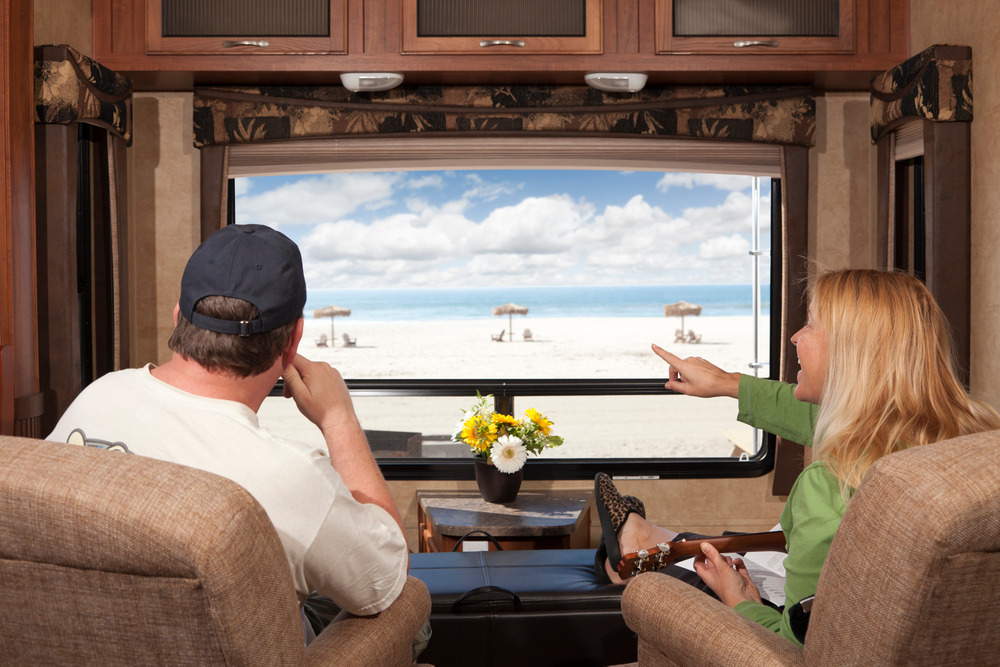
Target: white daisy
column 508, row 454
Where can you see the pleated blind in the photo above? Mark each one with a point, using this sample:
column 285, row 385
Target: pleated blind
column 733, row 18
column 246, row 18
column 500, row 18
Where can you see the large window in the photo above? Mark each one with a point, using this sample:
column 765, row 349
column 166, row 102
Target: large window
column 592, row 260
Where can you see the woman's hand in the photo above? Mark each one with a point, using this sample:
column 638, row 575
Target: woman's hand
column 727, row 577
column 696, row 377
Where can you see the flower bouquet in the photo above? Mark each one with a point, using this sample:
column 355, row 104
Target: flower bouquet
column 501, row 439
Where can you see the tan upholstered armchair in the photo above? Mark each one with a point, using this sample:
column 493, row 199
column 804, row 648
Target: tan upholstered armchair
column 115, row 559
column 910, row 579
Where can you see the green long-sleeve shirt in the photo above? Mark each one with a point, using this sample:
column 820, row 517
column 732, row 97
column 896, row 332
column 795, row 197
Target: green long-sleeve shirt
column 815, row 505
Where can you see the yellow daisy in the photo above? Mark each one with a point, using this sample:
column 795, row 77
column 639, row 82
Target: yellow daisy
column 544, row 425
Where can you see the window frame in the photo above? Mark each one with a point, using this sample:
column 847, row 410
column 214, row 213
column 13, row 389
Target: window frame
column 393, row 154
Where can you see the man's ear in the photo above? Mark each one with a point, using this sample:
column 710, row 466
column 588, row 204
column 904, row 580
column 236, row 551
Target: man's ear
column 293, row 343
column 177, row 311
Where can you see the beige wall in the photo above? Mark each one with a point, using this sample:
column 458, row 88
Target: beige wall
column 164, row 213
column 63, row 22
column 841, row 233
column 976, row 23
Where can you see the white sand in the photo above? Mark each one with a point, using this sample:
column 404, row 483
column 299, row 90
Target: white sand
column 619, row 426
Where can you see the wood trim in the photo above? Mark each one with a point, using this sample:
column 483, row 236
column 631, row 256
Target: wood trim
column 948, row 225
column 60, row 363
column 6, row 390
column 214, row 192
column 789, row 457
column 121, row 251
column 18, row 309
column 883, row 192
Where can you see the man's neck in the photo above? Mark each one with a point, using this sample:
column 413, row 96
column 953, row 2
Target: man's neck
column 192, row 377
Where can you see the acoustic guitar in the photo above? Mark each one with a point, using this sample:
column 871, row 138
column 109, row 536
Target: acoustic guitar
column 665, row 553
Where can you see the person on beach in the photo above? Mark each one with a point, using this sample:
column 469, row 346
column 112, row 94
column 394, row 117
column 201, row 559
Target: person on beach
column 876, row 377
column 238, row 324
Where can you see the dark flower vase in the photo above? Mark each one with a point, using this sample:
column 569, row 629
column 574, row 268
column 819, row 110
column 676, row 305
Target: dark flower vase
column 496, row 486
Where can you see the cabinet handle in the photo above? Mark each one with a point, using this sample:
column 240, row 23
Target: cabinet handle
column 228, row 44
column 501, row 42
column 757, row 42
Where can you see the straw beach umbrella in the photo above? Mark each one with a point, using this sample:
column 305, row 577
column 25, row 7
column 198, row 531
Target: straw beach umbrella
column 331, row 312
column 510, row 310
column 680, row 309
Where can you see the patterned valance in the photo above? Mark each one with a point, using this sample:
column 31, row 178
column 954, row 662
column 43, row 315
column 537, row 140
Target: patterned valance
column 72, row 88
column 935, row 84
column 781, row 115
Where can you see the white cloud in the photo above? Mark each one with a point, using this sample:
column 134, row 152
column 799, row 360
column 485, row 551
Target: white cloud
column 243, row 186
column 425, row 181
column 432, row 240
column 717, row 181
column 724, row 247
column 480, row 189
column 318, row 199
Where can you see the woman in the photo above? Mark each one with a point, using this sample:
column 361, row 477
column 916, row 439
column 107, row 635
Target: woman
column 876, row 377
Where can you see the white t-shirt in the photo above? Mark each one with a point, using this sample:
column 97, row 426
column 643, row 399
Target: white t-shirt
column 352, row 552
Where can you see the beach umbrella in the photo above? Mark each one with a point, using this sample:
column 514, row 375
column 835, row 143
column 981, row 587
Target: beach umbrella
column 680, row 309
column 331, row 312
column 510, row 310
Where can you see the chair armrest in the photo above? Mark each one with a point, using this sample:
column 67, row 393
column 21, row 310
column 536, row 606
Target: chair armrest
column 678, row 624
column 384, row 639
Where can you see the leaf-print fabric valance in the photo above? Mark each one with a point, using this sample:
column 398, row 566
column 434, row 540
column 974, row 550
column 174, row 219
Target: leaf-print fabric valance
column 72, row 88
column 935, row 84
column 232, row 115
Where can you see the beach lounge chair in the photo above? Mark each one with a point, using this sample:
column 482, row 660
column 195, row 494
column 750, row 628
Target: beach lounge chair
column 679, row 336
column 350, row 342
column 322, row 341
column 527, row 334
column 692, row 338
column 498, row 337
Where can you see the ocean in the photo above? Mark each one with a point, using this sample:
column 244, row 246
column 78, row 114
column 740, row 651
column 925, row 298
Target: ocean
column 469, row 303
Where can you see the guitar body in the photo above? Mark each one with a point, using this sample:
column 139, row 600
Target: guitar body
column 665, row 553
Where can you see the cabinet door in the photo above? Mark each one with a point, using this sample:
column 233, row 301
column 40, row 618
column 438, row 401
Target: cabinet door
column 501, row 26
column 755, row 26
column 243, row 27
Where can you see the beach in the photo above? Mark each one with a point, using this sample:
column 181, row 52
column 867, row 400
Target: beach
column 661, row 425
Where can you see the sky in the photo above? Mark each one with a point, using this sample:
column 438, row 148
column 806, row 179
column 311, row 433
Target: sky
column 512, row 227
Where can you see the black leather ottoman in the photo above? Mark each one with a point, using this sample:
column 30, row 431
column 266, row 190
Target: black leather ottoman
column 531, row 608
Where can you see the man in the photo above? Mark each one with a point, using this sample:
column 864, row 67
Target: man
column 237, row 328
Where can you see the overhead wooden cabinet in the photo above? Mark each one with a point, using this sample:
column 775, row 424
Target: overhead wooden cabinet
column 755, row 26
column 489, row 27
column 176, row 44
column 245, row 27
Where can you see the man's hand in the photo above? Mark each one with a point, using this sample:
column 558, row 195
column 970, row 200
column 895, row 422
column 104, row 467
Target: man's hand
column 726, row 576
column 321, row 395
column 696, row 377
column 319, row 392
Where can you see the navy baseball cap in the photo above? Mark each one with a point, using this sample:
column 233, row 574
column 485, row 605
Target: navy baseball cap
column 250, row 262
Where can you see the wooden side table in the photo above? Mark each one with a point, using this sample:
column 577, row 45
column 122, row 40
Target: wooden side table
column 558, row 519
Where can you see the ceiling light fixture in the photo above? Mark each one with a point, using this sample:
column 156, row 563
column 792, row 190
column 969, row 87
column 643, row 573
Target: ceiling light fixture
column 370, row 81
column 616, row 82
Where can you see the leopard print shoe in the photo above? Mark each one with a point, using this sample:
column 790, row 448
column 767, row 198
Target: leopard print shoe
column 613, row 509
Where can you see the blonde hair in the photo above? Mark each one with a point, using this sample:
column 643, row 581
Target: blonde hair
column 890, row 377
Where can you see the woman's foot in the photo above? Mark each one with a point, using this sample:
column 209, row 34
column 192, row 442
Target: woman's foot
column 613, row 509
column 601, row 555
